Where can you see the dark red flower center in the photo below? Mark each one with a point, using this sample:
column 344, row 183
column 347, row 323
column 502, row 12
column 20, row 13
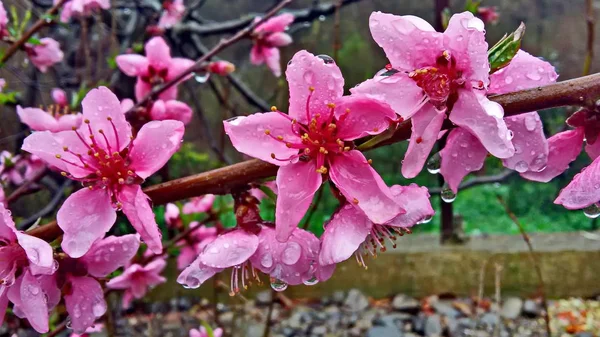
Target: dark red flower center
column 155, row 76
column 441, row 81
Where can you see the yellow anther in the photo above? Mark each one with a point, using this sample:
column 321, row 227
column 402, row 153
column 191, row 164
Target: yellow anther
column 121, row 181
column 288, row 145
column 96, row 155
column 311, row 88
column 91, row 187
column 332, row 126
column 65, row 148
column 115, row 154
column 307, row 151
column 90, row 152
column 355, row 201
column 446, row 54
column 273, row 108
column 63, row 173
column 91, row 136
column 322, row 170
column 323, row 150
column 280, row 137
column 331, row 105
column 73, row 128
column 104, row 179
column 294, row 121
column 347, row 148
column 109, row 119
column 86, row 121
column 119, row 173
column 106, row 157
column 370, row 161
column 98, row 173
column 58, row 156
column 130, row 172
column 267, row 132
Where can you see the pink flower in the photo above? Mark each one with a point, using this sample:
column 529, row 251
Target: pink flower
column 267, row 38
column 351, row 232
column 3, row 20
column 59, row 97
column 98, row 327
column 172, row 109
column 315, row 141
column 136, row 279
column 32, row 259
column 193, row 244
column 45, row 54
column 84, row 297
column 80, row 8
column 103, row 155
column 2, row 83
column 155, row 68
column 17, row 169
column 218, row 332
column 292, row 262
column 54, row 120
column 171, row 214
column 434, row 74
column 222, row 68
column 199, row 204
column 464, row 153
column 173, row 13
column 259, row 194
column 489, row 14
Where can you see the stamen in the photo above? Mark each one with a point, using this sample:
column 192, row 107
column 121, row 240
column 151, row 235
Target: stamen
column 106, row 141
column 115, row 132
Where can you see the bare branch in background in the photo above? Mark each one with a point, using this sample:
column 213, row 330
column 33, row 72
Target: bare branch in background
column 491, row 179
column 57, row 197
column 589, row 56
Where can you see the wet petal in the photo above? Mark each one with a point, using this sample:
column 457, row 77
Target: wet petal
column 593, row 150
column 279, row 39
column 85, row 303
column 272, row 59
column 39, row 252
column 68, row 122
column 33, row 303
column 196, row 273
column 414, row 200
column 37, row 119
column 462, row 155
column 154, row 145
column 426, row 124
column 136, row 206
column 110, row 253
column 229, row 249
column 158, row 53
column 174, row 110
column 523, row 72
column 531, row 147
column 132, row 64
column 583, row 190
column 276, row 24
column 361, row 184
column 359, row 116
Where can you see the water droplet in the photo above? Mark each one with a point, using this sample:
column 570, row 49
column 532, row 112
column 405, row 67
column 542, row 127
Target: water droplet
column 459, row 38
column 447, row 194
column 292, row 253
column 535, row 76
column 530, row 122
column 34, row 290
column 192, row 282
column 510, row 135
column 77, row 311
column 521, row 166
column 403, row 26
column 308, row 77
column 278, row 285
column 508, row 80
column 311, row 281
column 592, row 211
column 202, row 78
column 425, row 220
column 266, row 260
column 321, row 17
column 69, row 324
column 99, row 308
column 434, row 164
column 225, row 245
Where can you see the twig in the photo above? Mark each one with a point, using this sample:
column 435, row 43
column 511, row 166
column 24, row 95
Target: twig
column 87, row 54
column 589, row 13
column 534, row 260
column 223, row 44
column 337, row 41
column 59, row 194
column 268, row 322
column 313, row 208
column 59, row 328
column 496, row 178
column 39, row 24
column 22, row 190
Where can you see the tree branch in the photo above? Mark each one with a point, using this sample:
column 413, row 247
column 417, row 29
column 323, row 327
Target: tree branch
column 496, row 178
column 589, row 13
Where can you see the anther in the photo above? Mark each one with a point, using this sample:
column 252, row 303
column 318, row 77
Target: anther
column 331, row 105
column 109, row 119
column 63, row 173
column 347, row 110
column 273, row 155
column 322, row 170
column 100, row 131
column 355, row 201
column 347, row 148
column 311, row 88
column 370, row 161
column 65, row 148
column 273, row 108
column 87, row 121
column 267, row 132
column 58, row 156
column 279, row 137
column 121, row 181
column 419, row 140
column 115, row 154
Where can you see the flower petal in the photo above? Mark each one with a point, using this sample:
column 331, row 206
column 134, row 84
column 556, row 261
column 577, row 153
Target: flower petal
column 593, row 150
column 37, row 119
column 361, row 184
column 563, row 148
column 257, row 56
column 398, row 90
column 409, row 42
column 33, row 303
column 426, row 124
column 276, row 24
column 483, row 118
column 136, row 207
column 154, row 145
column 415, row 201
column 196, row 273
column 359, row 116
column 465, row 37
column 103, row 109
column 158, row 53
column 177, row 66
column 247, row 134
column 272, row 59
column 297, row 184
column 531, row 147
column 523, row 72
column 344, row 233
column 229, row 249
column 132, row 64
column 85, row 217
column 583, row 190
column 172, row 109
column 142, row 89
column 84, row 303
column 279, row 39
column 39, row 253
column 110, row 253
column 462, row 155
column 68, row 122
column 7, row 225
column 305, row 72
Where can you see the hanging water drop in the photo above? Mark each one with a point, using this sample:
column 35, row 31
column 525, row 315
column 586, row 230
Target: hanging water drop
column 326, row 58
column 311, row 281
column 202, row 78
column 425, row 220
column 278, row 285
column 447, row 194
column 592, row 211
column 434, row 164
column 321, row 17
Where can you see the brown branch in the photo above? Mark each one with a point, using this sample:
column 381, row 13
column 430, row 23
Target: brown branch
column 534, row 261
column 39, row 24
column 223, row 44
column 589, row 13
column 222, row 180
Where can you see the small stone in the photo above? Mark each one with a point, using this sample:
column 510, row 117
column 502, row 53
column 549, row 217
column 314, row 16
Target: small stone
column 264, row 297
column 433, row 326
column 356, row 301
column 338, row 297
column 394, row 319
column 405, row 303
column 184, row 304
column 384, row 331
column 511, row 308
column 226, row 318
column 319, row 330
column 531, row 308
column 445, row 308
column 490, row 319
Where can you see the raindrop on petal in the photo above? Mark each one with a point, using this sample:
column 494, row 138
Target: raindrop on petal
column 592, row 211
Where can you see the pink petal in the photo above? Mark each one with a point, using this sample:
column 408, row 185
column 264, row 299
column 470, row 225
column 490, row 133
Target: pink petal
column 37, row 119
column 39, row 252
column 136, row 206
column 7, row 225
column 276, row 24
column 583, row 190
column 85, row 303
column 199, row 204
column 272, row 59
column 359, row 116
column 59, row 96
column 85, row 217
column 230, row 249
column 426, row 124
column 158, row 53
column 297, row 184
column 98, row 106
column 593, row 150
column 156, row 266
column 409, row 42
column 279, row 39
column 142, row 89
column 344, row 233
column 247, row 134
column 531, row 147
column 465, row 37
column 523, row 72
column 125, row 280
column 462, row 155
column 126, row 105
column 483, row 118
column 196, row 273
column 363, row 186
column 563, row 148
column 132, row 64
column 307, row 71
column 171, row 214
column 68, row 122
column 257, row 55
column 3, row 303
column 397, row 90
column 177, row 66
column 174, row 110
column 186, row 256
column 415, row 201
column 33, row 303
column 110, row 253
column 154, row 145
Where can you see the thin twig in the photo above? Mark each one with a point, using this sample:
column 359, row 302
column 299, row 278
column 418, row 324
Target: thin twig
column 59, row 328
column 313, row 208
column 491, row 179
column 589, row 56
column 337, row 41
column 39, row 24
column 534, row 261
column 223, row 44
column 269, row 320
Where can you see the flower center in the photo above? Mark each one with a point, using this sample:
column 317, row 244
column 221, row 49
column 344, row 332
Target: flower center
column 155, row 76
column 440, row 81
